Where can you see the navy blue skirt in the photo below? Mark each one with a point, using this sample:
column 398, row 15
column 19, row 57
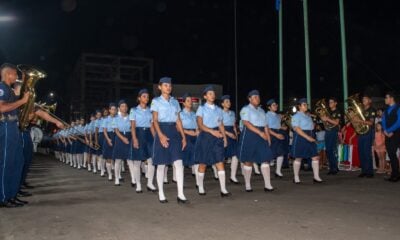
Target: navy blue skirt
column 231, row 149
column 101, row 140
column 122, row 150
column 173, row 152
column 107, row 149
column 80, row 147
column 302, row 148
column 208, row 150
column 70, row 147
column 279, row 147
column 188, row 152
column 252, row 148
column 145, row 139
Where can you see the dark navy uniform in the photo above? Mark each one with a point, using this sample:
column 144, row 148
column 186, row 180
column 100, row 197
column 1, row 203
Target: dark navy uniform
column 365, row 144
column 331, row 142
column 391, row 124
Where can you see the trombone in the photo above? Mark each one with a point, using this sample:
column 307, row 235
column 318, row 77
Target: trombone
column 48, row 109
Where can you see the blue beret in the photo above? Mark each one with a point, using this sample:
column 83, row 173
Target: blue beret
column 112, row 104
column 253, row 92
column 122, row 101
column 208, row 88
column 270, row 102
column 225, row 97
column 98, row 111
column 165, row 80
column 302, row 100
column 142, row 91
column 186, row 95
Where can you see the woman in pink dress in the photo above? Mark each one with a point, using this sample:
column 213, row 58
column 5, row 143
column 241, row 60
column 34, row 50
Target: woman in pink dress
column 379, row 147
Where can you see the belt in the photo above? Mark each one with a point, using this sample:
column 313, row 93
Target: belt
column 8, row 118
column 143, row 128
column 167, row 123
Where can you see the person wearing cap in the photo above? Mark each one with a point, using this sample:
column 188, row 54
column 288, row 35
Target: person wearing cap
column 209, row 149
column 391, row 127
column 278, row 136
column 142, row 131
column 170, row 139
column 229, row 121
column 89, row 131
column 10, row 141
column 108, row 126
column 98, row 139
column 331, row 135
column 365, row 140
column 189, row 124
column 304, row 143
column 255, row 141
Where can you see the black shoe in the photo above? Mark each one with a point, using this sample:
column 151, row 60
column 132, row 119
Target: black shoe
column 269, row 189
column 9, row 205
column 228, row 194
column 24, row 194
column 117, row 185
column 202, row 194
column 369, row 175
column 249, row 190
column 193, row 175
column 296, row 182
column 278, row 176
column 18, row 204
column 197, row 186
column 182, row 201
column 27, row 186
column 139, row 191
column 133, row 184
column 167, row 182
column 173, row 181
column 121, row 180
column 110, row 180
column 233, row 181
column 17, row 200
column 257, row 174
column 317, row 181
column 164, row 201
column 216, row 179
column 392, row 179
column 362, row 175
column 151, row 190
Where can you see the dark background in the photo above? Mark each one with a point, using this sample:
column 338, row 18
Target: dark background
column 193, row 41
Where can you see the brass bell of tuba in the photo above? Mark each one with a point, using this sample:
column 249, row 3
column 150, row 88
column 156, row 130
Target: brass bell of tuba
column 321, row 110
column 30, row 77
column 354, row 114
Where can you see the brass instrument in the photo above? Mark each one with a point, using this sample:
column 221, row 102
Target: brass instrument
column 321, row 110
column 46, row 109
column 30, row 76
column 287, row 116
column 354, row 114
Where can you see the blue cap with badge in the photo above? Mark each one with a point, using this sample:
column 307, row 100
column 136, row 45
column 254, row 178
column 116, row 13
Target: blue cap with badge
column 253, row 93
column 270, row 102
column 165, row 80
column 207, row 89
column 143, row 91
column 302, row 100
column 225, row 97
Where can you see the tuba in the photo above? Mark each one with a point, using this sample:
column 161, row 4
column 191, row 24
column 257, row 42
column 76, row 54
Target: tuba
column 287, row 116
column 322, row 111
column 354, row 114
column 30, row 77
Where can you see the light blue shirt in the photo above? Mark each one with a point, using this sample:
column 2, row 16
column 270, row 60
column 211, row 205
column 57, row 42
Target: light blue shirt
column 256, row 116
column 302, row 121
column 188, row 119
column 98, row 123
column 142, row 117
column 90, row 128
column 273, row 120
column 109, row 123
column 211, row 114
column 167, row 110
column 123, row 124
column 228, row 118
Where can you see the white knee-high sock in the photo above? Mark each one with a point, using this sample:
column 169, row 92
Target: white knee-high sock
column 193, row 169
column 256, row 168
column 88, row 164
column 265, row 170
column 296, row 170
column 160, row 181
column 143, row 167
column 131, row 171
column 178, row 165
column 80, row 161
column 196, row 172
column 117, row 169
column 150, row 173
column 222, row 181
column 173, row 173
column 279, row 161
column 99, row 159
column 234, row 167
column 136, row 174
column 315, row 166
column 75, row 160
column 214, row 168
column 241, row 168
column 85, row 157
column 109, row 170
column 165, row 173
column 102, row 165
column 123, row 166
column 201, row 182
column 94, row 163
column 247, row 176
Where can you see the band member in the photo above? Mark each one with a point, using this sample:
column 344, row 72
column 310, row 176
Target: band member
column 11, row 160
column 391, row 127
column 304, row 143
column 331, row 135
column 278, row 136
column 142, row 131
column 365, row 141
column 122, row 143
column 188, row 118
column 169, row 140
column 108, row 126
column 229, row 121
column 255, row 141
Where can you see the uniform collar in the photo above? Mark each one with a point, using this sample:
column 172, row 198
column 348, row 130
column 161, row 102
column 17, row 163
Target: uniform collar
column 169, row 100
column 210, row 106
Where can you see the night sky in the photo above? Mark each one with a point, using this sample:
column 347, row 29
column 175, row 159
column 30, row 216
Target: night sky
column 193, row 41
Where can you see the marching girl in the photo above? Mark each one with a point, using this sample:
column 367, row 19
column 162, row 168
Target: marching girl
column 255, row 141
column 98, row 139
column 304, row 143
column 89, row 131
column 142, row 132
column 188, row 118
column 278, row 136
column 229, row 121
column 209, row 149
column 169, row 140
column 122, row 143
column 80, row 148
column 108, row 126
column 71, row 144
